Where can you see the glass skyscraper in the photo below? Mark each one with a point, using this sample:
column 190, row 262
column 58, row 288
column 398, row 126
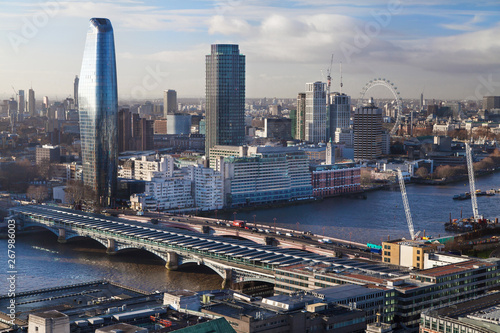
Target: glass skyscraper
column 98, row 106
column 225, row 97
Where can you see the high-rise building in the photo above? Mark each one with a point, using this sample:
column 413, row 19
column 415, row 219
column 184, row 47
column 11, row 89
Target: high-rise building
column 316, row 117
column 225, row 97
column 75, row 90
column 367, row 132
column 491, row 102
column 31, row 102
column 98, row 105
column 134, row 133
column 21, row 102
column 300, row 116
column 48, row 152
column 169, row 102
column 340, row 113
column 45, row 103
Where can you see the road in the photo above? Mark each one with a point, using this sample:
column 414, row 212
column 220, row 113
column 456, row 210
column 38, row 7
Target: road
column 351, row 249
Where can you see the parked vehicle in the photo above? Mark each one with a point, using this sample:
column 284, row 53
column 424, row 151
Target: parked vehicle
column 289, row 234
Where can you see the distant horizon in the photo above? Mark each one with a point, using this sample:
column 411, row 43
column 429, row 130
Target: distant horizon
column 446, row 49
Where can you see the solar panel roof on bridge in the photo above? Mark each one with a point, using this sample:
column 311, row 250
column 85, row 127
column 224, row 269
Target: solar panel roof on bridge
column 244, row 250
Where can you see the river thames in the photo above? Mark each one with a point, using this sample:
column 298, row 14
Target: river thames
column 42, row 262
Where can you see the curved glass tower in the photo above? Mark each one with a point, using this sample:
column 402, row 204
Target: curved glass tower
column 225, row 97
column 98, row 106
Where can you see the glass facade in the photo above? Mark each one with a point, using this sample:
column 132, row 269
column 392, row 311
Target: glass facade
column 225, row 97
column 98, row 106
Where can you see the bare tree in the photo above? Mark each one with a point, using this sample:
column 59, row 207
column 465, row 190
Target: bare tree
column 37, row 193
column 422, row 172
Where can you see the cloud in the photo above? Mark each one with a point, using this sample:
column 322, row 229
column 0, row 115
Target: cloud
column 467, row 26
column 220, row 24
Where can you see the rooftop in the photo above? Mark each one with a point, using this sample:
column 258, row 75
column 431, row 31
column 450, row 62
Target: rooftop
column 51, row 314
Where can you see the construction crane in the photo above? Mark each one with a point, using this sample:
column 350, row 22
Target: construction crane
column 15, row 92
column 329, row 81
column 472, row 181
column 406, row 205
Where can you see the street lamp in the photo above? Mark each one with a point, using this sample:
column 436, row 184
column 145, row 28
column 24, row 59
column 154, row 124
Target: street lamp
column 274, row 225
column 297, row 226
column 254, row 224
column 234, row 216
column 216, row 214
column 350, row 235
column 324, row 231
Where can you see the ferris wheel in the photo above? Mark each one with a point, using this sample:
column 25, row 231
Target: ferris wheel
column 394, row 90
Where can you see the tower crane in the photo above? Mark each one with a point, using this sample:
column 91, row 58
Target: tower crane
column 406, row 205
column 472, row 181
column 15, row 92
column 329, row 81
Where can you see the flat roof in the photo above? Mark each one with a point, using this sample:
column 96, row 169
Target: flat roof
column 344, row 291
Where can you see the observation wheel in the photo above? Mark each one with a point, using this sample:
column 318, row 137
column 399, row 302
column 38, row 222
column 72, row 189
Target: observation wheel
column 393, row 89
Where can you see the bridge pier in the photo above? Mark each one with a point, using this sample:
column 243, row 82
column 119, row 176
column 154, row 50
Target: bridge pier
column 62, row 236
column 228, row 278
column 172, row 261
column 111, row 248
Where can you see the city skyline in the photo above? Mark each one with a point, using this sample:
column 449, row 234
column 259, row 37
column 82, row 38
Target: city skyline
column 444, row 49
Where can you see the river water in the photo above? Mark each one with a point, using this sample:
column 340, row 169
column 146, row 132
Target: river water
column 43, row 262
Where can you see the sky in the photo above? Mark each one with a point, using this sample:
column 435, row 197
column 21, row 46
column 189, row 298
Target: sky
column 445, row 49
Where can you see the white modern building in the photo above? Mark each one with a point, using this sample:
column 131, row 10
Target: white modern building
column 208, row 188
column 164, row 193
column 315, row 113
column 266, row 175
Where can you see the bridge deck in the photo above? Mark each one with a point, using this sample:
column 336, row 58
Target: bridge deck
column 172, row 239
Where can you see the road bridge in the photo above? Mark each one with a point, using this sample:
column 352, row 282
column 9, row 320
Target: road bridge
column 234, row 260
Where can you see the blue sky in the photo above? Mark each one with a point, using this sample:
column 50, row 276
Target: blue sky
column 448, row 49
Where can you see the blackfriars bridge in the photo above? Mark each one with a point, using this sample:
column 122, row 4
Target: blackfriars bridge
column 234, row 260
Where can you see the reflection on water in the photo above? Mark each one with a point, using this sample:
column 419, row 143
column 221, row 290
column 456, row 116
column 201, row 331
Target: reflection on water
column 382, row 213
column 42, row 262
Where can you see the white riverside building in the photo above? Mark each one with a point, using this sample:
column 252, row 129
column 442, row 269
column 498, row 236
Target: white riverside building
column 265, row 175
column 191, row 187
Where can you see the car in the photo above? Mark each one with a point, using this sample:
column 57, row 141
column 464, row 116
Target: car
column 289, row 234
column 267, row 231
column 305, row 237
column 278, row 233
column 260, row 230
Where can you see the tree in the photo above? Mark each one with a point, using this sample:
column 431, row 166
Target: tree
column 37, row 193
column 45, row 169
column 422, row 172
column 78, row 194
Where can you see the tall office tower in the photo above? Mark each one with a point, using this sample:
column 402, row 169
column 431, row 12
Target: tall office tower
column 367, row 132
column 491, row 102
column 421, row 101
column 98, row 105
column 75, row 90
column 45, row 103
column 31, row 102
column 340, row 112
column 20, row 101
column 169, row 102
column 12, row 111
column 316, row 117
column 301, row 117
column 225, row 97
column 124, row 130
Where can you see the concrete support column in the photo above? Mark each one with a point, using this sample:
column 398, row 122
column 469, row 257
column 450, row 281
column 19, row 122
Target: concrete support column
column 172, row 261
column 62, row 236
column 228, row 278
column 111, row 249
